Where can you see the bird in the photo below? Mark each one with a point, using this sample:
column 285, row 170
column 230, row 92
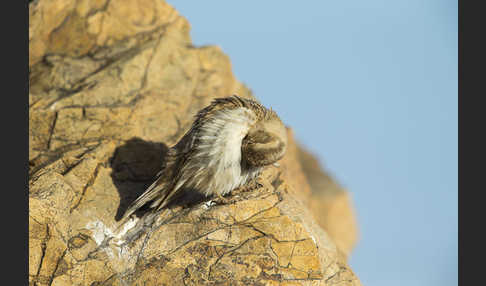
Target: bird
column 228, row 145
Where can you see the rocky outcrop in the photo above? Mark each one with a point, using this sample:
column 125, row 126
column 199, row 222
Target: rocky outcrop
column 113, row 84
column 330, row 204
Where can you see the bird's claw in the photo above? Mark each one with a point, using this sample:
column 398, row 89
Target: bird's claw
column 221, row 200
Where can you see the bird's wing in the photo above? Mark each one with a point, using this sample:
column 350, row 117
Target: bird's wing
column 169, row 180
column 158, row 189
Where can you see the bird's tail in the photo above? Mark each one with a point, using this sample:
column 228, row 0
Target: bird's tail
column 156, row 192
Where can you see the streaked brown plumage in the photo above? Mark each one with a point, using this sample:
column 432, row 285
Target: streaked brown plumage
column 229, row 143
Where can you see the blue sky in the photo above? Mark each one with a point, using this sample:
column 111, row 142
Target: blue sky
column 370, row 87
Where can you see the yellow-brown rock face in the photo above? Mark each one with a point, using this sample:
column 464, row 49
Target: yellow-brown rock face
column 113, row 84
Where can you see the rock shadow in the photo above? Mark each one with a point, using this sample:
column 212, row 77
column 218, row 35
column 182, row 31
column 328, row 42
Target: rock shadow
column 135, row 165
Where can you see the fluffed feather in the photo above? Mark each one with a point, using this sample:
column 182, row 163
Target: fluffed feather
column 228, row 144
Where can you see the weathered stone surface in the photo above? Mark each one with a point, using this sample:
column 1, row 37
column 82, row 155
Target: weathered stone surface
column 113, row 84
column 330, row 204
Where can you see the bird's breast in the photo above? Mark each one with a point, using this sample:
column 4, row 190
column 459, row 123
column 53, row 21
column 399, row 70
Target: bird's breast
column 217, row 156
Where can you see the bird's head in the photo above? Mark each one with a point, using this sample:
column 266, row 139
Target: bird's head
column 266, row 141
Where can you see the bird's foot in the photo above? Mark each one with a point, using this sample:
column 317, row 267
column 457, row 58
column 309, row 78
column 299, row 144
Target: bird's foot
column 220, row 200
column 250, row 186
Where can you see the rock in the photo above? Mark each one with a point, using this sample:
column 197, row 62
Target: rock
column 330, row 204
column 112, row 86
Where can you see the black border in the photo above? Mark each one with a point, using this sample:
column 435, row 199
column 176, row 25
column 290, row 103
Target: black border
column 15, row 143
column 471, row 140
